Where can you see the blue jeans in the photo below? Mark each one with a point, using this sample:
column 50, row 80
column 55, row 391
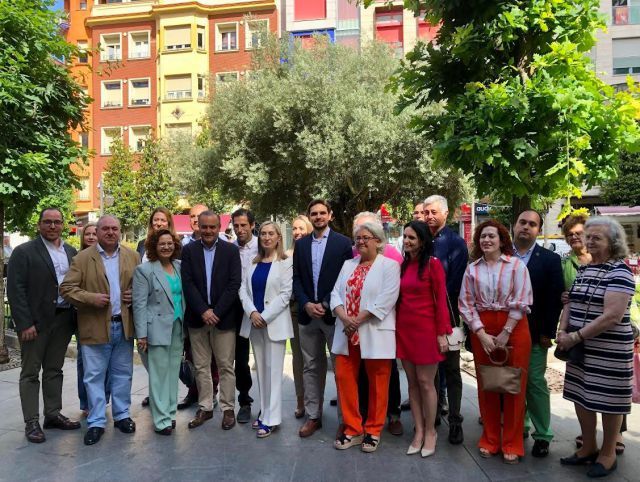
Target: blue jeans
column 115, row 357
column 82, row 391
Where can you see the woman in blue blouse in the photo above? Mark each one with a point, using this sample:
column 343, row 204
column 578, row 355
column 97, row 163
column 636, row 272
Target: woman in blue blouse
column 265, row 294
column 158, row 311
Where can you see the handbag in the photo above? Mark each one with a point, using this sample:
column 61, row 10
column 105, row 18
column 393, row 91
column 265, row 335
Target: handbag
column 457, row 338
column 636, row 374
column 187, row 372
column 499, row 378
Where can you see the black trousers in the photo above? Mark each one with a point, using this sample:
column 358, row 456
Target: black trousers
column 243, row 372
column 451, row 366
column 393, row 407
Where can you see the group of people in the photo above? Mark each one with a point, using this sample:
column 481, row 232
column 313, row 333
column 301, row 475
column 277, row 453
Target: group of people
column 208, row 300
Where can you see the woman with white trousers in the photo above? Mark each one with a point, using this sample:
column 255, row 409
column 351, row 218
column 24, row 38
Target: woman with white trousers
column 265, row 293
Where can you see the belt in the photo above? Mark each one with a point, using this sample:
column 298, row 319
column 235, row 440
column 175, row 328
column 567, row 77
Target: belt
column 116, row 318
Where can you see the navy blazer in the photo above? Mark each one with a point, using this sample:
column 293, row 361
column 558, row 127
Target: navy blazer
column 337, row 251
column 547, row 282
column 225, row 284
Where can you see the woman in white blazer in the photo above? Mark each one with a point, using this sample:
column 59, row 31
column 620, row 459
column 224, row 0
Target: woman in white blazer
column 265, row 293
column 364, row 300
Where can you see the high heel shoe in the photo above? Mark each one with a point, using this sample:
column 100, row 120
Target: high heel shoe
column 429, row 452
column 413, row 450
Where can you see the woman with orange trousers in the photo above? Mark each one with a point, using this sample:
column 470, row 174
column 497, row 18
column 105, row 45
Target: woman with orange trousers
column 494, row 302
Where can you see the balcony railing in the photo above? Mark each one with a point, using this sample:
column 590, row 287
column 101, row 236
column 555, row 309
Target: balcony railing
column 626, row 15
column 140, row 102
column 178, row 94
column 112, row 104
column 110, row 56
column 178, row 47
column 139, row 54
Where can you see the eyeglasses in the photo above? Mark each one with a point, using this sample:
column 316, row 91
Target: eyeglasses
column 51, row 222
column 363, row 239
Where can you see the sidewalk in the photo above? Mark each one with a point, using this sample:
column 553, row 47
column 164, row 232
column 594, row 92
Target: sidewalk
column 209, row 453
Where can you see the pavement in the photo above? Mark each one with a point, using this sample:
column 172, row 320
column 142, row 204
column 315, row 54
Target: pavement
column 209, row 453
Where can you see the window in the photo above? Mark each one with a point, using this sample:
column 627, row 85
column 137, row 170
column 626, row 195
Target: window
column 84, row 193
column 227, row 37
column 625, row 12
column 202, row 86
column 83, row 56
column 109, row 134
column 110, row 47
column 111, row 93
column 139, row 45
column 178, row 87
column 177, row 38
column 256, row 33
column 389, row 29
column 139, row 92
column 83, row 5
column 201, row 40
column 178, row 130
column 626, row 56
column 137, row 137
column 223, row 77
column 83, row 138
column 309, row 9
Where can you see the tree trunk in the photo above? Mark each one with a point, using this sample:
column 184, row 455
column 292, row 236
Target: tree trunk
column 4, row 353
column 517, row 206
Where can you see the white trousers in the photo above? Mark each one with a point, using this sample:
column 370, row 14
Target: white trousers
column 269, row 356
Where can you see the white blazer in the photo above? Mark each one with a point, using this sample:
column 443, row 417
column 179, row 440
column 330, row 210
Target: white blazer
column 276, row 300
column 379, row 295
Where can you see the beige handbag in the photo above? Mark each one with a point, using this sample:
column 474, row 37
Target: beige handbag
column 497, row 377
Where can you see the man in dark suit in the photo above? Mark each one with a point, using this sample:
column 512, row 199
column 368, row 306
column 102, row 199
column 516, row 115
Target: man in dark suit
column 43, row 320
column 545, row 271
column 317, row 261
column 211, row 277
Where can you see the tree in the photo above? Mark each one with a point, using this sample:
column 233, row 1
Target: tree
column 625, row 189
column 119, row 182
column 523, row 111
column 317, row 122
column 39, row 104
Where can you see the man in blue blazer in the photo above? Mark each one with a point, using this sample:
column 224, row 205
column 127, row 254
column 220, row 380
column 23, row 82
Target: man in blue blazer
column 545, row 271
column 211, row 277
column 317, row 261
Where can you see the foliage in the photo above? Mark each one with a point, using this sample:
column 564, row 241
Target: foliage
column 523, row 110
column 119, row 181
column 625, row 189
column 317, row 122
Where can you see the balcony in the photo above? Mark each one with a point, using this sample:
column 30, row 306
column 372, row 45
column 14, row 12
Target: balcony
column 138, row 102
column 178, row 95
column 111, row 104
column 178, row 47
column 626, row 15
column 140, row 54
column 110, row 56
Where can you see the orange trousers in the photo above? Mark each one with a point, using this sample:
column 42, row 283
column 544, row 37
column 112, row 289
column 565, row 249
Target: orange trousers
column 503, row 433
column 378, row 374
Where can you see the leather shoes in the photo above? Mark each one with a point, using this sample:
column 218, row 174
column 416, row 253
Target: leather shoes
column 404, row 406
column 126, row 425
column 598, row 470
column 228, row 420
column 173, row 424
column 395, row 427
column 34, row 433
column 186, row 402
column 244, row 414
column 456, row 436
column 540, row 449
column 93, row 435
column 575, row 460
column 61, row 422
column 164, row 431
column 201, row 417
column 309, row 427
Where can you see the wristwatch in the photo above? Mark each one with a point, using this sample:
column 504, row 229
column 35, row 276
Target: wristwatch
column 508, row 329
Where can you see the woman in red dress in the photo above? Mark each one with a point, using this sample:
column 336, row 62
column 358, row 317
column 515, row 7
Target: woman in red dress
column 421, row 327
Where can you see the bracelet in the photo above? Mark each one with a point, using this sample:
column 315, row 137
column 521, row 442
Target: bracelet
column 580, row 335
column 575, row 337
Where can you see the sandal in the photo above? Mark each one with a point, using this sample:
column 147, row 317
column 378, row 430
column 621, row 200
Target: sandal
column 264, row 430
column 579, row 442
column 620, row 448
column 256, row 424
column 485, row 453
column 344, row 442
column 370, row 443
column 510, row 459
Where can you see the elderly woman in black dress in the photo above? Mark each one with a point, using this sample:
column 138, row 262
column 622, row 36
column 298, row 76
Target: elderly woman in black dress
column 596, row 319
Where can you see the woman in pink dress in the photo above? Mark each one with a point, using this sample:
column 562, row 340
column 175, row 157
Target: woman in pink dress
column 421, row 328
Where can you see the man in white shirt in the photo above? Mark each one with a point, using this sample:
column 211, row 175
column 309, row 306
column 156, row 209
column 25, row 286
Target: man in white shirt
column 244, row 223
column 43, row 320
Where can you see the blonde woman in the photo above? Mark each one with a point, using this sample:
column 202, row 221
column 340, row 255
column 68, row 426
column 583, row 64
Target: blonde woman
column 300, row 227
column 265, row 293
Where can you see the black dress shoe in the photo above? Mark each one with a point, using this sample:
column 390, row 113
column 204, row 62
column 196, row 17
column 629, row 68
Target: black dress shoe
column 173, row 424
column 597, row 470
column 61, row 422
column 186, row 402
column 126, row 425
column 93, row 435
column 333, row 402
column 145, row 402
column 244, row 414
column 456, row 436
column 34, row 433
column 575, row 460
column 540, row 449
column 164, row 431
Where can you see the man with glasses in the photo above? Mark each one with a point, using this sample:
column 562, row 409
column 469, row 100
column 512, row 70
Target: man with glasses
column 44, row 322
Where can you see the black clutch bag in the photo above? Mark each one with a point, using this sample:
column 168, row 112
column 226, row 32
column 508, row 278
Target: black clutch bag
column 575, row 354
